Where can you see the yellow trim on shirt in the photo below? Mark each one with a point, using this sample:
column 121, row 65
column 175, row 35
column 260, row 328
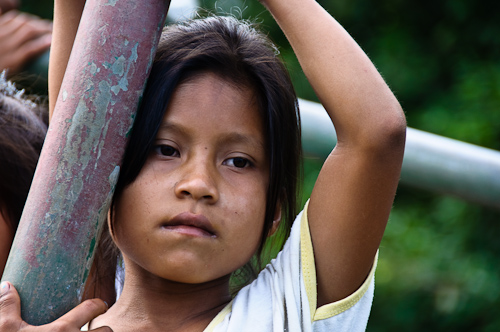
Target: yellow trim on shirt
column 219, row 318
column 335, row 308
column 309, row 273
column 307, row 260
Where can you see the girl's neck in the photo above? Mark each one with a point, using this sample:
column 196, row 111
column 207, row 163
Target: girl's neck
column 153, row 304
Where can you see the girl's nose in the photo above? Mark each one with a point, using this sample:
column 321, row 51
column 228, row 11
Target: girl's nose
column 197, row 183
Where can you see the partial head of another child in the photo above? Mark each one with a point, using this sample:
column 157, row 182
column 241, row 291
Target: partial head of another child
column 23, row 125
column 236, row 53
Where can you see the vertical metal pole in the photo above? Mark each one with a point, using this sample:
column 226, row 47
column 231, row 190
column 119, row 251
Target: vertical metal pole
column 79, row 165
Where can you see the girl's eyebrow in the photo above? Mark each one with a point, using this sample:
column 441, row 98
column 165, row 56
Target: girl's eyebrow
column 172, row 127
column 228, row 138
column 236, row 138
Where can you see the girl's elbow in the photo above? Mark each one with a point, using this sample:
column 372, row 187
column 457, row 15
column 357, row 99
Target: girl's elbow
column 394, row 128
column 389, row 134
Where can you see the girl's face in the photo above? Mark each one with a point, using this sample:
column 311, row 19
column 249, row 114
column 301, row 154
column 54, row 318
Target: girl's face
column 195, row 212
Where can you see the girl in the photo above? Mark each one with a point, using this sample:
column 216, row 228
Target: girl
column 210, row 173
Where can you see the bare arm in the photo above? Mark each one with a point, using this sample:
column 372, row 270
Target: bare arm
column 67, row 14
column 353, row 195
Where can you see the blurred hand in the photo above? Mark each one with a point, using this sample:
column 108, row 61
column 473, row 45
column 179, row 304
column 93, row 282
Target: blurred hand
column 22, row 37
column 11, row 321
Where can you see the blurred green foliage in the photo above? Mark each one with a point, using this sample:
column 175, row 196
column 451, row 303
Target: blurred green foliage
column 439, row 265
column 42, row 8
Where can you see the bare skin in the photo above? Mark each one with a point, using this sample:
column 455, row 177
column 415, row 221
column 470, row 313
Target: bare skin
column 364, row 166
column 22, row 38
column 67, row 16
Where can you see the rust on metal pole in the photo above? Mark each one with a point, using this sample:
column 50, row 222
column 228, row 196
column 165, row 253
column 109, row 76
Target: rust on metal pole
column 79, row 164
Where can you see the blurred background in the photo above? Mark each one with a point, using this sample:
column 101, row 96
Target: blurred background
column 439, row 260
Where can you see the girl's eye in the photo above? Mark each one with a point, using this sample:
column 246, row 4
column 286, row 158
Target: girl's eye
column 238, row 162
column 166, row 150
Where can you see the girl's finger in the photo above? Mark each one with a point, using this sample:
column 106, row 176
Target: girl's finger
column 16, row 58
column 32, row 48
column 40, row 25
column 10, row 308
column 84, row 313
column 22, row 26
column 103, row 329
column 11, row 21
column 27, row 32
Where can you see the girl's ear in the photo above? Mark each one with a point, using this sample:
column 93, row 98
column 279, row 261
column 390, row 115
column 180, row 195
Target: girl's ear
column 276, row 220
column 110, row 223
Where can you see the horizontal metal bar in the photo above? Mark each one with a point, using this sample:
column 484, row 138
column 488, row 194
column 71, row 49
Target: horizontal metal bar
column 431, row 162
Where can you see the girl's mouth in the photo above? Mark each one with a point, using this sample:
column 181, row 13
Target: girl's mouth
column 190, row 224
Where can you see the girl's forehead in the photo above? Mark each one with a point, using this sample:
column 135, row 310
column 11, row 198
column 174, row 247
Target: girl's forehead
column 213, row 81
column 209, row 103
column 211, row 96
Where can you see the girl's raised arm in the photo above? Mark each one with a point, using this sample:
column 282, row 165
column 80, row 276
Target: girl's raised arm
column 67, row 14
column 354, row 192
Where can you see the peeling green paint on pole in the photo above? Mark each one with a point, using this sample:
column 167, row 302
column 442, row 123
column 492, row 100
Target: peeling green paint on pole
column 79, row 165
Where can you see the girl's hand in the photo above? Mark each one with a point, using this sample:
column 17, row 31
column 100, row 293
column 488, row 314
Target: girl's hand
column 11, row 321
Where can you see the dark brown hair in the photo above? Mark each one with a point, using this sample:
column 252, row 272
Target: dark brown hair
column 23, row 125
column 237, row 52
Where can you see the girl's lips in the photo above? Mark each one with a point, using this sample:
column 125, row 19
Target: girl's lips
column 191, row 224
